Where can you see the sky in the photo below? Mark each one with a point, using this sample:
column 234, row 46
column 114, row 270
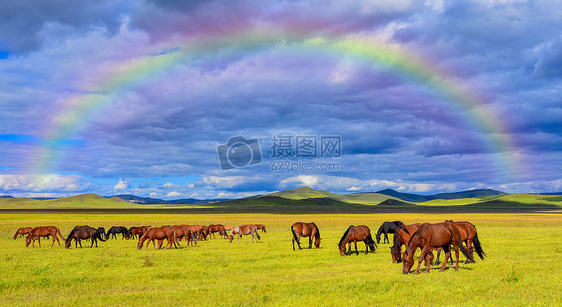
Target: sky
column 229, row 99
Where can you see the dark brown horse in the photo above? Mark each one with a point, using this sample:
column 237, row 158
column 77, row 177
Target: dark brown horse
column 158, row 233
column 216, row 228
column 386, row 228
column 354, row 234
column 114, row 230
column 260, row 227
column 82, row 233
column 469, row 235
column 138, row 231
column 309, row 230
column 22, row 231
column 441, row 235
column 248, row 229
column 43, row 231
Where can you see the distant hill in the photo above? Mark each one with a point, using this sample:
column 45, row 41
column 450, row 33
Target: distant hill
column 153, row 201
column 457, row 195
column 6, row 196
column 303, row 193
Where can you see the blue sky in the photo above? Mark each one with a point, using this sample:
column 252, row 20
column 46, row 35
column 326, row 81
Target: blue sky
column 141, row 97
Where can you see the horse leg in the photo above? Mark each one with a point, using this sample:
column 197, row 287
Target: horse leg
column 456, row 247
column 385, row 238
column 447, row 250
column 310, row 242
column 438, row 255
column 470, row 251
column 422, row 256
column 356, row 251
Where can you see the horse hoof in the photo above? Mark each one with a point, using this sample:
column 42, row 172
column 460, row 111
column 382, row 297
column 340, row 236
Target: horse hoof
column 456, row 270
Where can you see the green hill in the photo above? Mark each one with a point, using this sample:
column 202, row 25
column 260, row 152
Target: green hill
column 303, row 193
column 77, row 201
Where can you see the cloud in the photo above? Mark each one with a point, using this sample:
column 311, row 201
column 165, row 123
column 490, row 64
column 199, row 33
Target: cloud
column 123, row 184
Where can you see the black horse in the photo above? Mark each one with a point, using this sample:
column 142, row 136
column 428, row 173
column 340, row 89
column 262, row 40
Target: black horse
column 386, row 228
column 114, row 230
column 84, row 232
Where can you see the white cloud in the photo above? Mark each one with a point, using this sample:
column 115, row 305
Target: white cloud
column 123, row 184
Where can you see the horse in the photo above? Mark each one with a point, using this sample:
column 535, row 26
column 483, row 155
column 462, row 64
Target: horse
column 158, row 233
column 309, row 230
column 43, row 231
column 402, row 236
column 183, row 231
column 216, row 228
column 354, row 234
column 440, row 235
column 84, row 232
column 386, row 228
column 203, row 233
column 248, row 229
column 228, row 227
column 22, row 231
column 260, row 227
column 137, row 231
column 469, row 235
column 114, row 230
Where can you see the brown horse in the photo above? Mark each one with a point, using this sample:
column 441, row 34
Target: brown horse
column 22, row 231
column 260, row 227
column 309, row 230
column 138, row 231
column 184, row 232
column 248, row 229
column 158, row 233
column 402, row 237
column 469, row 235
column 84, row 232
column 216, row 228
column 43, row 231
column 228, row 227
column 354, row 234
column 440, row 235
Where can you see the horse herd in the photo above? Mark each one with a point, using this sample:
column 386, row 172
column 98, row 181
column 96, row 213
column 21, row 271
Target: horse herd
column 173, row 234
column 425, row 236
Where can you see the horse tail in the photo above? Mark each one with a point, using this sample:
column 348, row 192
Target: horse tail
column 99, row 236
column 345, row 234
column 295, row 235
column 403, row 227
column 396, row 247
column 58, row 233
column 478, row 247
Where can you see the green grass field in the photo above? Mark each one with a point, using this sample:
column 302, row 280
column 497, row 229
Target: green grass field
column 522, row 265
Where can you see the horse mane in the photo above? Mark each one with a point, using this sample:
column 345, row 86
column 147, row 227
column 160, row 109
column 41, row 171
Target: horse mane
column 420, row 231
column 317, row 231
column 345, row 234
column 69, row 238
column 403, row 227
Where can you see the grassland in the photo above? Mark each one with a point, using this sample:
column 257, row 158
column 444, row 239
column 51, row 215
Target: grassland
column 522, row 267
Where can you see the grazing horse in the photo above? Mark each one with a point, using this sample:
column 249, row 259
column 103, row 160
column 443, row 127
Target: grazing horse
column 440, row 235
column 354, row 234
column 137, row 231
column 386, row 228
column 402, row 236
column 228, row 227
column 84, row 232
column 309, row 230
column 216, row 228
column 158, row 233
column 43, row 231
column 470, row 237
column 260, row 227
column 183, row 231
column 248, row 229
column 114, row 230
column 22, row 231
column 203, row 233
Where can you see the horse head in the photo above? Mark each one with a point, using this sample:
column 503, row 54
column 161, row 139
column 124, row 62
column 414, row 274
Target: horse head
column 317, row 242
column 407, row 262
column 28, row 239
column 342, row 249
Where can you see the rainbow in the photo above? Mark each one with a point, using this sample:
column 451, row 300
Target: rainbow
column 109, row 86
